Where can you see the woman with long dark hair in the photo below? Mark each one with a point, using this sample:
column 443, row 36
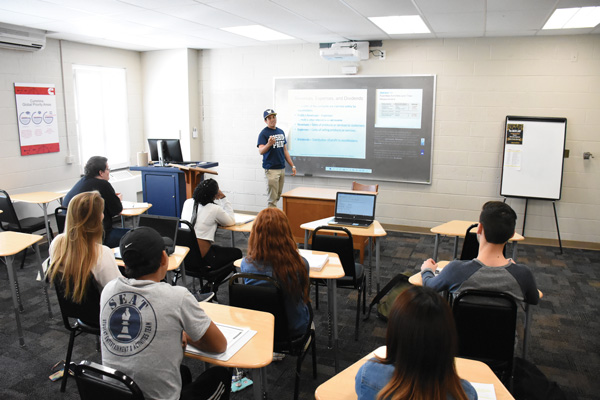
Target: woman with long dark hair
column 273, row 252
column 206, row 210
column 421, row 345
column 78, row 254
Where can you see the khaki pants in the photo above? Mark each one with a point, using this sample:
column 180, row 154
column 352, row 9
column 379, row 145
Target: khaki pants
column 275, row 178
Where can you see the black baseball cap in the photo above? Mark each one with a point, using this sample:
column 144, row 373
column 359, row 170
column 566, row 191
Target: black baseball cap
column 141, row 245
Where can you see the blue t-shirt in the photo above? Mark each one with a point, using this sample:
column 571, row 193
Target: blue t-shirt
column 275, row 157
column 297, row 312
column 373, row 376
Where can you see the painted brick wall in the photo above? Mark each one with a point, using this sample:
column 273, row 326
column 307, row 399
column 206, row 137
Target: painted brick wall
column 479, row 82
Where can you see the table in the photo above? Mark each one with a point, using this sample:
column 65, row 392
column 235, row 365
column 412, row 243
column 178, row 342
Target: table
column 330, row 272
column 247, row 227
column 305, row 204
column 12, row 243
column 194, row 175
column 175, row 261
column 257, row 353
column 458, row 229
column 42, row 198
column 417, row 280
column 134, row 212
column 341, row 386
column 373, row 231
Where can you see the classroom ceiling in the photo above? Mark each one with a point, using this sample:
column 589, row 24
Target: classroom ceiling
column 145, row 25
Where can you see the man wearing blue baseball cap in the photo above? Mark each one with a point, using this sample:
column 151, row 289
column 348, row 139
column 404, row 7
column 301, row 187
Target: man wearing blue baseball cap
column 271, row 145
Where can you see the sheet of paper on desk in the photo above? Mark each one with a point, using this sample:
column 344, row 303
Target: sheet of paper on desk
column 133, row 204
column 485, row 391
column 241, row 219
column 236, row 337
column 315, row 261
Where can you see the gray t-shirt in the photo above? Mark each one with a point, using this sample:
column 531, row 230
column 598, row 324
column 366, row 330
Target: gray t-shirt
column 141, row 324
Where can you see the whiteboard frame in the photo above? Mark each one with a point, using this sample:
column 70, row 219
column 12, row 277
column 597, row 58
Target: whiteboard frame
column 507, row 189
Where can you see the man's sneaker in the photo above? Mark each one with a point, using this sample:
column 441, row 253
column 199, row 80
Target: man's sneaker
column 204, row 296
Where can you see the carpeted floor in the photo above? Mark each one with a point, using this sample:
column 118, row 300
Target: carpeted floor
column 565, row 339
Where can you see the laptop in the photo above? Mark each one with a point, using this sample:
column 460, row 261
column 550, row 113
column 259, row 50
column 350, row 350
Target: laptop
column 354, row 209
column 167, row 227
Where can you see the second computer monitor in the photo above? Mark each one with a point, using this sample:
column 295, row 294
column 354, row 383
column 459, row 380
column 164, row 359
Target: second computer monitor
column 171, row 149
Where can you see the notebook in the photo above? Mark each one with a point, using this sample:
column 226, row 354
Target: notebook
column 316, row 262
column 354, row 209
column 166, row 226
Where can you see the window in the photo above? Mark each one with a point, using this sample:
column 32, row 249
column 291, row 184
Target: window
column 101, row 112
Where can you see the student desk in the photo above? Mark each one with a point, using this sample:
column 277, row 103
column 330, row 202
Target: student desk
column 330, row 272
column 305, row 204
column 458, row 229
column 341, row 386
column 42, row 198
column 373, row 231
column 247, row 227
column 257, row 353
column 133, row 212
column 12, row 243
column 175, row 261
column 417, row 280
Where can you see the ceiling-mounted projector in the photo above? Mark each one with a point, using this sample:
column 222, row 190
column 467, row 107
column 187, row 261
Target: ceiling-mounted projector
column 346, row 51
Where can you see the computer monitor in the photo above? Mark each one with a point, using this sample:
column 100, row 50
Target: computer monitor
column 171, row 149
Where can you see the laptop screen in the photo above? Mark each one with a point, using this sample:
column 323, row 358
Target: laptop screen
column 360, row 206
column 166, row 226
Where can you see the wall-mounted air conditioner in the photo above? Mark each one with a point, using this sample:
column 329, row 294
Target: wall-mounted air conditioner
column 345, row 51
column 21, row 38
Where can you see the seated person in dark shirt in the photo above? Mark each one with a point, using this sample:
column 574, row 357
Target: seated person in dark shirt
column 96, row 176
column 490, row 270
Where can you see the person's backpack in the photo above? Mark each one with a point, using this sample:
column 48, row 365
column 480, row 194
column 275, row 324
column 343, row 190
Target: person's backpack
column 387, row 295
column 529, row 383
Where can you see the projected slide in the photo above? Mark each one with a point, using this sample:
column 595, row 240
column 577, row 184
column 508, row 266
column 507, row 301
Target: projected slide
column 328, row 123
column 398, row 108
column 369, row 128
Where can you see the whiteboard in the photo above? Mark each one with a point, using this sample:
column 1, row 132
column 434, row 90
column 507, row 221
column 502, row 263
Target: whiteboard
column 532, row 165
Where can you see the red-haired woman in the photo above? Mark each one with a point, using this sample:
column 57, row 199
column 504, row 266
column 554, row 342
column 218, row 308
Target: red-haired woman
column 273, row 252
column 421, row 345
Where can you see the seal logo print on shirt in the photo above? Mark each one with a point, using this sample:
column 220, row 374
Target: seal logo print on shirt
column 128, row 324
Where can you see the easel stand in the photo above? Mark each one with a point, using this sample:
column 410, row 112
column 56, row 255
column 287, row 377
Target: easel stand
column 555, row 219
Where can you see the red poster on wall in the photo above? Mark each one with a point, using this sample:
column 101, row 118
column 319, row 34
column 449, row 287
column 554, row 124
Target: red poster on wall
column 37, row 119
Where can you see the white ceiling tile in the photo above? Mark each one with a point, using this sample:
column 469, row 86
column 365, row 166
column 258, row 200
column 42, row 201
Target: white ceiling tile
column 383, row 8
column 514, row 20
column 205, row 15
column 442, row 23
column 452, row 7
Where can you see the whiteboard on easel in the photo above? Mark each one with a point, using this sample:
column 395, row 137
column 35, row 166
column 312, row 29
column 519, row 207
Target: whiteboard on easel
column 532, row 165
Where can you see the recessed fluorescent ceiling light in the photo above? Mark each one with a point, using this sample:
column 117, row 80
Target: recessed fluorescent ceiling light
column 579, row 17
column 401, row 24
column 257, row 32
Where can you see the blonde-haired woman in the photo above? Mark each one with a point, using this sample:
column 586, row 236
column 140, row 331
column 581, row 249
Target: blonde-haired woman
column 78, row 254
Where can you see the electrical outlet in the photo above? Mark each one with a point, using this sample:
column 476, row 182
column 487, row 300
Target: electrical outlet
column 382, row 55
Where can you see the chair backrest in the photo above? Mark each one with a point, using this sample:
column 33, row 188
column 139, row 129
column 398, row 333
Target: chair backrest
column 88, row 311
column 8, row 214
column 341, row 244
column 265, row 296
column 194, row 263
column 60, row 215
column 365, row 188
column 486, row 326
column 470, row 248
column 92, row 386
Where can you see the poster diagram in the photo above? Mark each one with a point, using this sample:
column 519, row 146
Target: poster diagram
column 36, row 117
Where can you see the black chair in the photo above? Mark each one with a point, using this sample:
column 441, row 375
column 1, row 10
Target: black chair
column 195, row 265
column 342, row 245
column 470, row 248
column 269, row 297
column 486, row 326
column 9, row 221
column 92, row 385
column 60, row 215
column 78, row 318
